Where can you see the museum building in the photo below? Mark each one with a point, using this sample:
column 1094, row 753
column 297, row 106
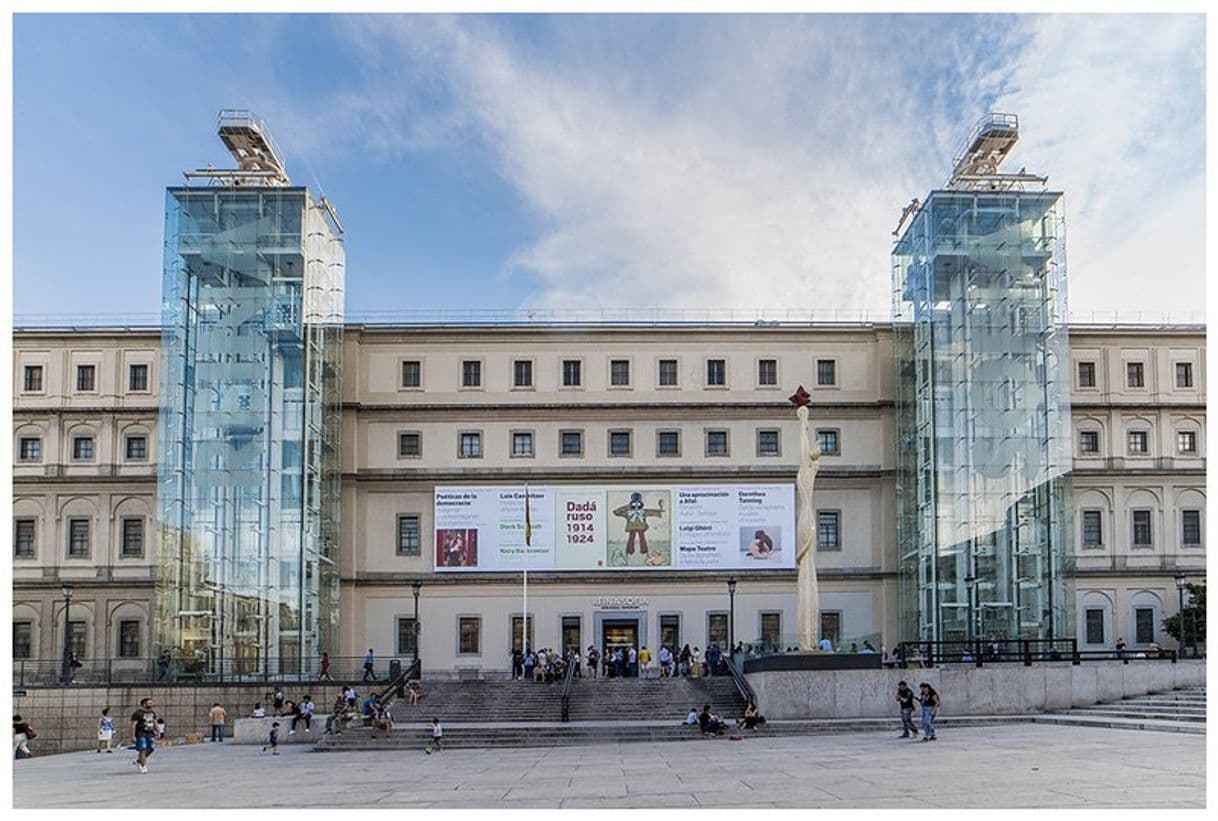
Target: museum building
column 257, row 481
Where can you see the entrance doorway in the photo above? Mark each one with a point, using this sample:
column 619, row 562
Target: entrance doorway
column 619, row 634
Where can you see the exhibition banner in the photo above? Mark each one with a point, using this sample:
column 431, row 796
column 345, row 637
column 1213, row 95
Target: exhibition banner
column 626, row 527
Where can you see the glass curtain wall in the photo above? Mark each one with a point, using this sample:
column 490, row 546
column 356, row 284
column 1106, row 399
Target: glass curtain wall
column 983, row 454
column 248, row 495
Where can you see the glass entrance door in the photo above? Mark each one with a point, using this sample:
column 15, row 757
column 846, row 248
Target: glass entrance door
column 619, row 634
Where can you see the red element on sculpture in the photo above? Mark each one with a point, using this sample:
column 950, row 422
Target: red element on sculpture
column 801, row 398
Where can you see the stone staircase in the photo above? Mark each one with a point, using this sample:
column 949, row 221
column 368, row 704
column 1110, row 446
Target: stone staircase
column 657, row 699
column 489, row 700
column 1180, row 711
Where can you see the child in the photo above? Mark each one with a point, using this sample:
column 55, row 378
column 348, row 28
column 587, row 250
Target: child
column 273, row 740
column 105, row 731
column 437, row 733
column 259, row 711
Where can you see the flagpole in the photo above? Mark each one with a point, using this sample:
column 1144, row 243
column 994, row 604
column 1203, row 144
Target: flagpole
column 524, row 614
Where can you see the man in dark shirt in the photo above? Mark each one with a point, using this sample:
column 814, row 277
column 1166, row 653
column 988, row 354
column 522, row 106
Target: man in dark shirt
column 144, row 732
column 905, row 699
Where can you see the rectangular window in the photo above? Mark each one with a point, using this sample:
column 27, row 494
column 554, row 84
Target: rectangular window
column 1184, row 374
column 23, row 634
column 412, row 373
column 1138, row 441
column 133, row 537
column 522, row 373
column 522, row 444
column 471, row 445
column 1086, row 374
column 1088, row 441
column 76, row 638
column 831, row 627
column 716, row 629
column 1095, row 626
column 670, row 632
column 408, row 534
column 619, row 443
column 828, row 441
column 24, row 531
column 1143, row 625
column 86, row 378
column 469, row 635
column 471, row 373
column 828, row 530
column 767, row 442
column 137, row 448
column 668, row 443
column 571, row 443
column 668, row 373
column 826, row 371
column 771, row 629
column 1141, row 528
column 407, row 636
column 410, row 445
column 571, row 373
column 33, row 378
column 29, row 449
column 82, row 448
column 767, row 372
column 716, row 443
column 571, row 638
column 1186, row 441
column 1093, row 528
column 716, row 372
column 137, row 378
column 1190, row 528
column 78, row 538
column 129, row 639
column 1135, row 376
column 619, row 373
column 516, row 635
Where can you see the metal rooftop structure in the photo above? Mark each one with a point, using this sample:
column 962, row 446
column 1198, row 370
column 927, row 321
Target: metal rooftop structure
column 259, row 161
column 975, row 163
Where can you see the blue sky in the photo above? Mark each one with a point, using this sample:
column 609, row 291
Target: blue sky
column 608, row 162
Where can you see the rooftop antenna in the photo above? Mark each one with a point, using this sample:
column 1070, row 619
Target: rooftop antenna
column 259, row 161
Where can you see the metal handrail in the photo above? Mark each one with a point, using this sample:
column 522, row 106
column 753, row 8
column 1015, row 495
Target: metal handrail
column 743, row 687
column 567, row 682
column 398, row 685
column 978, row 652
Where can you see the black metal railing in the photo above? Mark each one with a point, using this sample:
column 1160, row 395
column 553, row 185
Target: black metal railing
column 980, row 652
column 397, row 687
column 742, row 684
column 48, row 672
column 568, row 681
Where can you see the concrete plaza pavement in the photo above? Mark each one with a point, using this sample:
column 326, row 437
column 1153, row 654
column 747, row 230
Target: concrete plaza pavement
column 1017, row 765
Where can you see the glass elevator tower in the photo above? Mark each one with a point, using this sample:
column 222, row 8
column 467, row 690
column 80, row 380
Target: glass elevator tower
column 983, row 408
column 248, row 483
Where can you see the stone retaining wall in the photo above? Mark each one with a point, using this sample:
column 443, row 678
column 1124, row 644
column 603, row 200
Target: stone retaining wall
column 66, row 717
column 968, row 690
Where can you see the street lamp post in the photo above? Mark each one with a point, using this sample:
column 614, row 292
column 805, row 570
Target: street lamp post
column 970, row 584
column 416, row 586
column 731, row 616
column 1181, row 583
column 68, row 589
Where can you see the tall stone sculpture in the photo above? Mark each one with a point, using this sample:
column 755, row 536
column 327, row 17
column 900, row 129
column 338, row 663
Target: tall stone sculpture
column 808, row 612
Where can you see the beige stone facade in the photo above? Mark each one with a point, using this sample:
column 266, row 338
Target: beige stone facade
column 84, row 511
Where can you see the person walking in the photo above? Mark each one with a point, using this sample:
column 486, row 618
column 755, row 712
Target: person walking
column 665, row 661
column 930, row 708
column 905, row 700
column 218, row 717
column 162, row 667
column 437, row 734
column 23, row 734
column 272, row 739
column 324, row 675
column 632, row 662
column 105, row 731
column 617, row 662
column 369, row 666
column 530, row 662
column 517, row 664
column 645, row 661
column 594, row 659
column 144, row 728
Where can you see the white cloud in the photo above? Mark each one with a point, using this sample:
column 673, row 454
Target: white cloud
column 762, row 161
